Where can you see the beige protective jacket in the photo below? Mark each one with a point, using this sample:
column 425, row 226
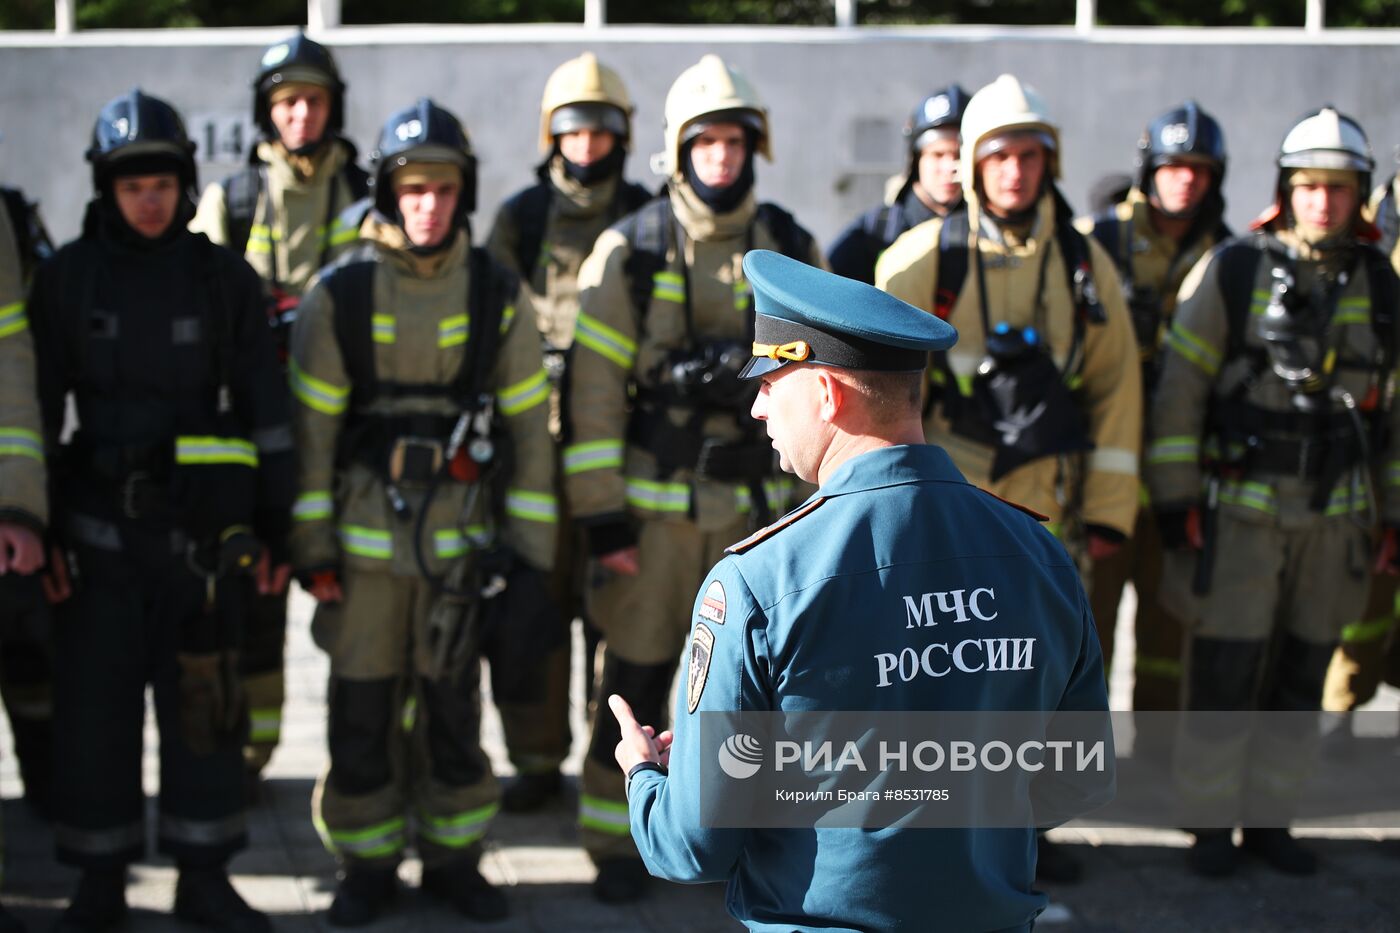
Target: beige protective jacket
column 1107, row 381
column 1199, row 366
column 615, row 352
column 297, row 226
column 343, row 515
column 23, row 493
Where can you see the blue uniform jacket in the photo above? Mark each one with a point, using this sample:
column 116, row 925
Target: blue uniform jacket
column 808, row 612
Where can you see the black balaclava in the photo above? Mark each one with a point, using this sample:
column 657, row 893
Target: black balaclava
column 722, row 200
column 609, row 166
column 114, row 225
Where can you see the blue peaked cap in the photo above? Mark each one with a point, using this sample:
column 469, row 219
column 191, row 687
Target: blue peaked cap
column 806, row 314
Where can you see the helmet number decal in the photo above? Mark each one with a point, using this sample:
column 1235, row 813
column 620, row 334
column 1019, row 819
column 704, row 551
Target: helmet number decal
column 1175, row 134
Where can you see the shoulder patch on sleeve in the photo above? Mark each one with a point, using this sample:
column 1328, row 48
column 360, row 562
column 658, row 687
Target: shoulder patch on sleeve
column 702, row 645
column 713, row 604
column 768, row 531
column 1018, row 506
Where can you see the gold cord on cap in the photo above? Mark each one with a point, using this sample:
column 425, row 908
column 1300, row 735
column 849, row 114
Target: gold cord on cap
column 796, row 351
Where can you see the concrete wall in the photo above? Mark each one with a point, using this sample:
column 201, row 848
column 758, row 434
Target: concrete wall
column 838, row 98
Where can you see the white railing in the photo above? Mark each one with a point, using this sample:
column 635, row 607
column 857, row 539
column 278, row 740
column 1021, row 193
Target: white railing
column 322, row 15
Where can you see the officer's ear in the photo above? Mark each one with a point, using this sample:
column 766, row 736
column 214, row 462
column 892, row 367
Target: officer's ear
column 833, row 395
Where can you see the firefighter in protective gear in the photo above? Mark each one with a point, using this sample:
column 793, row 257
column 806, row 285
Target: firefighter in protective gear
column 426, row 485
column 928, row 188
column 1168, row 221
column 26, row 668
column 664, row 465
column 1274, row 399
column 543, row 234
column 1040, row 401
column 1031, row 293
column 1369, row 652
column 23, row 516
column 178, row 476
column 283, row 213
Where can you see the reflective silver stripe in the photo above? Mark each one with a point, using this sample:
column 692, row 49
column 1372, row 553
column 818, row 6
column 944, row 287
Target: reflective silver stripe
column 202, row 832
column 184, row 330
column 101, row 841
column 1114, row 460
column 274, row 440
column 94, row 532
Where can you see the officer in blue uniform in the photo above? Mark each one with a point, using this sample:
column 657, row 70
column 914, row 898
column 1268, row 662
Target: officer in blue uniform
column 797, row 617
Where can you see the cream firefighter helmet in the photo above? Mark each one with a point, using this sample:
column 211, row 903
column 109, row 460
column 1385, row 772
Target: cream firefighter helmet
column 1327, row 139
column 583, row 93
column 713, row 89
column 1003, row 107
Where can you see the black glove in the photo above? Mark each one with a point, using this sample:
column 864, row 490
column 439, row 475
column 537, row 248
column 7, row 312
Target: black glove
column 1177, row 527
column 609, row 535
column 273, row 528
column 520, row 628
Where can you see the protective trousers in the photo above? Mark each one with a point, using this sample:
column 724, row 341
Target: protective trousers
column 1369, row 653
column 131, row 616
column 1260, row 639
column 405, row 750
column 645, row 620
column 264, row 681
column 537, row 734
column 1156, row 633
column 26, row 683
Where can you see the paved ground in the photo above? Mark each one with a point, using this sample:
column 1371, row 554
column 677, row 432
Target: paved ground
column 1135, row 879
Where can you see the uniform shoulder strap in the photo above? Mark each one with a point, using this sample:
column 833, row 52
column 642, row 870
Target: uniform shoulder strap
column 351, row 284
column 793, row 241
column 768, row 531
column 1384, row 291
column 492, row 288
column 952, row 262
column 1016, row 505
column 241, row 192
column 648, row 231
column 530, row 211
column 1237, row 263
column 1079, row 266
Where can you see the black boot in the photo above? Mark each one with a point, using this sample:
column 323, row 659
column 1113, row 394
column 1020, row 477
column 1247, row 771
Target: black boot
column 530, row 792
column 1055, row 863
column 9, row 923
column 98, row 904
column 1280, row 850
column 1213, row 855
column 460, row 883
column 621, row 880
column 204, row 896
column 362, row 895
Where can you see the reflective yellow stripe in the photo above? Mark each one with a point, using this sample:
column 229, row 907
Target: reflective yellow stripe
column 316, row 394
column 373, row 841
column 367, row 542
column 778, row 493
column 668, row 286
column 605, row 341
column 742, row 296
column 507, row 316
column 593, row 455
column 1167, row 668
column 215, row 450
column 1181, row 448
column 452, row 331
column 261, row 237
column 312, row 506
column 1353, row 311
column 1392, row 473
column 1344, row 502
column 13, row 319
column 21, row 442
column 1258, row 496
column 384, row 328
column 339, row 233
column 265, row 724
column 525, row 394
column 603, row 815
column 658, row 497
column 532, row 506
column 1193, row 348
column 460, row 830
column 1369, row 630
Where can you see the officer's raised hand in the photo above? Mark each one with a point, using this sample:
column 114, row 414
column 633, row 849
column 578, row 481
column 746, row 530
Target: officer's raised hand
column 21, row 550
column 639, row 743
